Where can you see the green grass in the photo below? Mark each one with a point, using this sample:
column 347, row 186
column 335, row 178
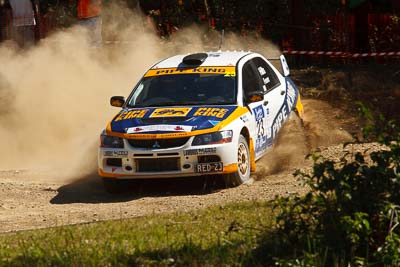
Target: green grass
column 219, row 236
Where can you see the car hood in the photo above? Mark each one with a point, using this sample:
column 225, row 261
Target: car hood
column 159, row 120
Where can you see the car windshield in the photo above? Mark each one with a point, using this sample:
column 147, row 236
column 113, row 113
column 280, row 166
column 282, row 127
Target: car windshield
column 184, row 89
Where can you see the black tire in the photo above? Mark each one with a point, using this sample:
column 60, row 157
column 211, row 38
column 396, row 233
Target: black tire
column 113, row 186
column 243, row 173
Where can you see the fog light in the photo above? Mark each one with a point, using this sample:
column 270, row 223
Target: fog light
column 187, row 166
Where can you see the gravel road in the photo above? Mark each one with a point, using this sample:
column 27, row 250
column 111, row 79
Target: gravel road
column 31, row 199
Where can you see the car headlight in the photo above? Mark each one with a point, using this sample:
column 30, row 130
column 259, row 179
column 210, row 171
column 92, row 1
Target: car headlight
column 111, row 141
column 213, row 138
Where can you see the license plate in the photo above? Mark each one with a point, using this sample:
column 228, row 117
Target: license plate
column 209, row 167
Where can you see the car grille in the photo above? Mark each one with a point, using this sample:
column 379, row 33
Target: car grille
column 158, row 165
column 158, row 143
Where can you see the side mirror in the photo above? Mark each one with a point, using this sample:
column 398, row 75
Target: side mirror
column 117, row 101
column 254, row 96
column 285, row 67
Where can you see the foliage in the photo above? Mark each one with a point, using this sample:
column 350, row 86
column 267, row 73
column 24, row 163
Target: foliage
column 63, row 12
column 219, row 236
column 350, row 215
column 387, row 36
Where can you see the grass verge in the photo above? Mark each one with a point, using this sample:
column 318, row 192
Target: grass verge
column 218, row 236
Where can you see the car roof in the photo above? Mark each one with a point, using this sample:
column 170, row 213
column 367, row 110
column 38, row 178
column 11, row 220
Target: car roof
column 226, row 58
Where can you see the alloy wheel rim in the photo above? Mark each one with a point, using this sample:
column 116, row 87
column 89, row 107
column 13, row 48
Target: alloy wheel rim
column 242, row 159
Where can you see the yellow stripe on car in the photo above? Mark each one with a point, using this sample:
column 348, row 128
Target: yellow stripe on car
column 225, row 70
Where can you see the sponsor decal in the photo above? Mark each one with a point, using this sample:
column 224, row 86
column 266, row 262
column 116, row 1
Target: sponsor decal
column 211, row 112
column 113, row 169
column 203, row 70
column 200, row 151
column 266, row 80
column 291, row 97
column 170, row 112
column 282, row 116
column 115, row 153
column 258, row 113
column 160, row 128
column 108, row 153
column 261, row 140
column 262, row 71
column 131, row 114
column 134, row 130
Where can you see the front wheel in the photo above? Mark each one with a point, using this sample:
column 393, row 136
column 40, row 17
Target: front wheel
column 242, row 175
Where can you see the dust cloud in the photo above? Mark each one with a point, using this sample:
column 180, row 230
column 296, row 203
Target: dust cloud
column 289, row 150
column 54, row 97
column 321, row 126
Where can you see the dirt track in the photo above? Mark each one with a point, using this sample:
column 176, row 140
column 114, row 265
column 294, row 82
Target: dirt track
column 32, row 199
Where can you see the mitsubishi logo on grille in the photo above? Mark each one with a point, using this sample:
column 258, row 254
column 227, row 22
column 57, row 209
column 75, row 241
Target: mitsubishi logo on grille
column 156, row 145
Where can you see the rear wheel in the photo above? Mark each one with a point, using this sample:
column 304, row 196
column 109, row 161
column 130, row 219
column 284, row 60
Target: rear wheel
column 242, row 175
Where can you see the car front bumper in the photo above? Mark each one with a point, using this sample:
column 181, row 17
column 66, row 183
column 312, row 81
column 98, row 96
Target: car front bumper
column 183, row 161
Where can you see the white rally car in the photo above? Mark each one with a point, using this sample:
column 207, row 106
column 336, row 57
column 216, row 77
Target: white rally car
column 198, row 114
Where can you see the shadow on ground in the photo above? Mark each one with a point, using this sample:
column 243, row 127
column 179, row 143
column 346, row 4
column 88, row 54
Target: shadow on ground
column 89, row 189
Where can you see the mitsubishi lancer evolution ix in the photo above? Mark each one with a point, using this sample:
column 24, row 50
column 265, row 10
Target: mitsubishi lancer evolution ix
column 198, row 114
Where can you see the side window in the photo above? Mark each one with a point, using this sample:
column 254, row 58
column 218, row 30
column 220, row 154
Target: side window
column 250, row 78
column 268, row 77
